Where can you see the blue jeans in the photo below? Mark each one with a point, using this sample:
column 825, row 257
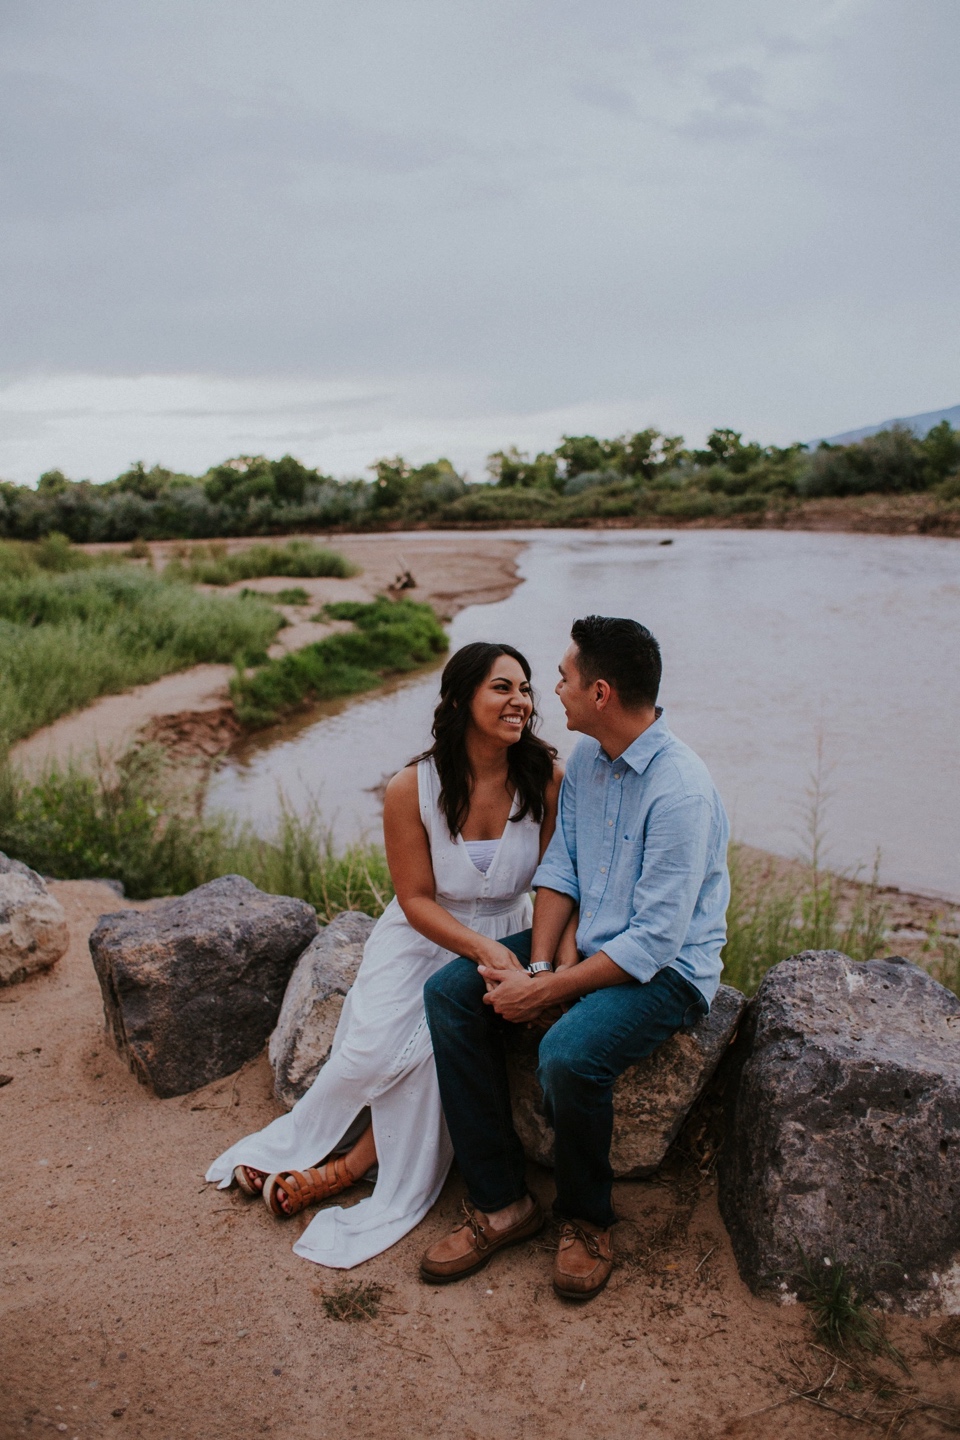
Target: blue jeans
column 580, row 1058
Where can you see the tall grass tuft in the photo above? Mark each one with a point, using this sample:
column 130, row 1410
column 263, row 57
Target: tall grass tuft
column 389, row 637
column 68, row 637
column 213, row 565
column 128, row 822
column 769, row 918
column 301, row 859
column 945, row 964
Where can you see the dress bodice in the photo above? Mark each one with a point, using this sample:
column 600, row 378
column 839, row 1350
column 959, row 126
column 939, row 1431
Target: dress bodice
column 458, row 880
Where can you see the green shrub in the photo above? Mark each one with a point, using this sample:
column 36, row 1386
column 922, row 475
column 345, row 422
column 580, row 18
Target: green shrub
column 688, row 505
column 892, row 461
column 390, row 637
column 54, row 553
column 489, row 505
column 212, row 565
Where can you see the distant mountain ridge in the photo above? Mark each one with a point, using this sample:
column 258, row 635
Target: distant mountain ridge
column 919, row 424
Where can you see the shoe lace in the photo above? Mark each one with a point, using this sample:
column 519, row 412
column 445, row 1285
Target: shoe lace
column 470, row 1218
column 570, row 1230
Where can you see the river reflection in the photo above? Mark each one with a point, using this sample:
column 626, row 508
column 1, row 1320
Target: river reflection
column 772, row 642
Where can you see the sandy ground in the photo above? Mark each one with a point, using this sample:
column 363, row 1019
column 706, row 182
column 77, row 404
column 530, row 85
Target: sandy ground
column 137, row 1302
column 451, row 573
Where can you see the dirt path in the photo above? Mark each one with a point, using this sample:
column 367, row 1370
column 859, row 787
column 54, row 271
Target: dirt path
column 451, row 572
column 138, row 1302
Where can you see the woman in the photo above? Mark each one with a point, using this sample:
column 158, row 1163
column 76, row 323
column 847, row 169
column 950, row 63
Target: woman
column 464, row 828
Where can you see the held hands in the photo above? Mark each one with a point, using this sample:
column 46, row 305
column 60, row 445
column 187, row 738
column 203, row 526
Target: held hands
column 516, row 995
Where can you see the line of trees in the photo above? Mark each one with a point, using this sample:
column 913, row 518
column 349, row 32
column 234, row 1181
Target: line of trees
column 646, row 474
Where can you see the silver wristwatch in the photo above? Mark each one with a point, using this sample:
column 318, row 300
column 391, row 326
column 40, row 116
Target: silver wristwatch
column 539, row 967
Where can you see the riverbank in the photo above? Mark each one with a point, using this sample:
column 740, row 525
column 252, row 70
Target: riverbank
column 872, row 514
column 190, row 711
column 140, row 1302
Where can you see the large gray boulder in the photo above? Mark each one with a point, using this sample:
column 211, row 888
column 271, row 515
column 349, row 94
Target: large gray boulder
column 650, row 1100
column 300, row 1045
column 33, row 927
column 844, row 1134
column 192, row 987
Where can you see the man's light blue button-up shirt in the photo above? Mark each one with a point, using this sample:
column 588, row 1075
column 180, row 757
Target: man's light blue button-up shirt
column 641, row 845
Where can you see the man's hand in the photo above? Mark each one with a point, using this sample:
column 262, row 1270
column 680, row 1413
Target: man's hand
column 518, row 998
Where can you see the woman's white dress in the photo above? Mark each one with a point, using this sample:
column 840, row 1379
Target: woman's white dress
column 382, row 1056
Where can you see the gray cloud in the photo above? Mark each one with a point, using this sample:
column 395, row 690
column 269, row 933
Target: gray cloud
column 693, row 214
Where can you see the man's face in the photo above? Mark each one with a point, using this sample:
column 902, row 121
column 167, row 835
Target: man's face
column 577, row 699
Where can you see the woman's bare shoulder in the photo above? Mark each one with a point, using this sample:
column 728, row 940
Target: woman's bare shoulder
column 403, row 787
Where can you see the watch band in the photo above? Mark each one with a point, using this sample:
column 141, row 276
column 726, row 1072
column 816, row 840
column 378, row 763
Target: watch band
column 539, row 967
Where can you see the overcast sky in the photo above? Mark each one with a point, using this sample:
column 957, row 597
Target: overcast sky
column 345, row 230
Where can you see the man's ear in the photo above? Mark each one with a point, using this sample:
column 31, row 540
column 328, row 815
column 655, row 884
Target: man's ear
column 601, row 694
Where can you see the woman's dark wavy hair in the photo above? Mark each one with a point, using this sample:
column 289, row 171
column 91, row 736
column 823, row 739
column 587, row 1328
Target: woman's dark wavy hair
column 529, row 761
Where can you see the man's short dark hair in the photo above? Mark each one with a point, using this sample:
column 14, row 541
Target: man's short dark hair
column 622, row 652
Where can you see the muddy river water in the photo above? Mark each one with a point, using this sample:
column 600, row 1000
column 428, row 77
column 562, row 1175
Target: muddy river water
column 779, row 647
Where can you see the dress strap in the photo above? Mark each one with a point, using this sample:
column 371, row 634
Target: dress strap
column 427, row 790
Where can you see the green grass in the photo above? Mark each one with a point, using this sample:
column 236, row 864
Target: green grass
column 944, row 961
column 301, row 859
column 295, row 596
column 68, row 637
column 389, row 637
column 839, row 1312
column 213, row 565
column 54, row 554
column 131, row 824
column 806, row 910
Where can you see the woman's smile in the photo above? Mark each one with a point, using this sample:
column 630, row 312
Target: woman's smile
column 503, row 702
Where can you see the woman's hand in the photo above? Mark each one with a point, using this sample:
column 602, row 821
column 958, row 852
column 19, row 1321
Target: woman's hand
column 491, row 955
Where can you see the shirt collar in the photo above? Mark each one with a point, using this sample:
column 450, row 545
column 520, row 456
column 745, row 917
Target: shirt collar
column 641, row 752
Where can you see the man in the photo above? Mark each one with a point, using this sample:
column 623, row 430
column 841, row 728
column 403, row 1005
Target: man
column 640, row 847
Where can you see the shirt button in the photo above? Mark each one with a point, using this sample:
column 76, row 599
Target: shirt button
column 617, row 775
column 589, row 914
column 603, row 869
column 609, row 822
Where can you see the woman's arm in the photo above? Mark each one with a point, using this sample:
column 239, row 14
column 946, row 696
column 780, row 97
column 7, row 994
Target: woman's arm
column 411, row 869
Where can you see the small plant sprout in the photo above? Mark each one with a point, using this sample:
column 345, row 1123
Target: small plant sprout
column 839, row 1312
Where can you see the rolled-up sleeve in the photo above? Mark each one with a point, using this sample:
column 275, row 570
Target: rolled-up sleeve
column 675, row 848
column 558, row 868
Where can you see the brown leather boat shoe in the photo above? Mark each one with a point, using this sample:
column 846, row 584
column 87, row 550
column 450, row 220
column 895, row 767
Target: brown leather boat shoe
column 468, row 1248
column 584, row 1261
